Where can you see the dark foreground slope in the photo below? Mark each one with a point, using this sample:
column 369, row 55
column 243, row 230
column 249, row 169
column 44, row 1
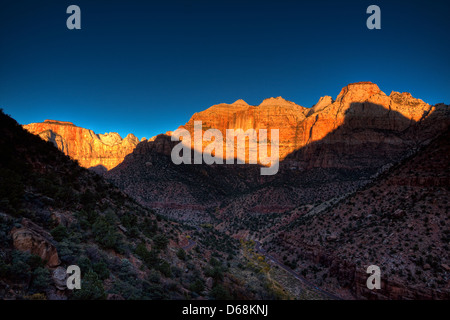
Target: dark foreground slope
column 400, row 222
column 53, row 214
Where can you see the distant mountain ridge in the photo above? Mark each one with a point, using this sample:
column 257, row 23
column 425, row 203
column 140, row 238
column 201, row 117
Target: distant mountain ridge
column 325, row 151
column 298, row 126
column 329, row 151
column 91, row 150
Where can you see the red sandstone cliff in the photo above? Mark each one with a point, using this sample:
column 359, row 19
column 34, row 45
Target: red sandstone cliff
column 364, row 108
column 90, row 149
column 362, row 117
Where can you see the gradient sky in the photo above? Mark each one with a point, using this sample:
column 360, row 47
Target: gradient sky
column 145, row 67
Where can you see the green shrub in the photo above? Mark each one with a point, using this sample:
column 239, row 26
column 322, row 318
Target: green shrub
column 181, row 254
column 88, row 200
column 101, row 268
column 41, row 280
column 85, row 264
column 214, row 262
column 150, row 258
column 160, row 241
column 22, row 264
column 59, row 233
column 126, row 272
column 106, row 234
column 198, row 286
column 66, row 251
column 91, row 288
column 216, row 273
column 164, row 268
column 11, row 188
column 154, row 277
column 149, row 227
column 126, row 290
column 153, row 291
column 219, row 292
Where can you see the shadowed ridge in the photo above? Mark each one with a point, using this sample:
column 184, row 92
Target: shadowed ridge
column 393, row 214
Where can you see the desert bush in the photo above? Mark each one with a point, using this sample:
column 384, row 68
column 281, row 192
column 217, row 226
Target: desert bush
column 160, row 241
column 59, row 233
column 165, row 268
column 41, row 280
column 219, row 292
column 181, row 254
column 91, row 288
column 101, row 268
column 198, row 286
column 106, row 234
column 150, row 258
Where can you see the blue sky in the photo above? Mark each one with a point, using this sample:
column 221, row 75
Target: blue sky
column 145, row 67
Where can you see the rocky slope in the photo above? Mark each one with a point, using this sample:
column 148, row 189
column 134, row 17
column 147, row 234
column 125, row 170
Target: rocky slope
column 399, row 222
column 54, row 213
column 99, row 151
column 186, row 192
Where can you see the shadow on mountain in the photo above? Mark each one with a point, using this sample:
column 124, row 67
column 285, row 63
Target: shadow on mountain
column 369, row 138
column 99, row 169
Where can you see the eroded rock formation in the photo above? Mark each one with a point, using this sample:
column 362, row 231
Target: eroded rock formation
column 31, row 238
column 100, row 151
column 362, row 113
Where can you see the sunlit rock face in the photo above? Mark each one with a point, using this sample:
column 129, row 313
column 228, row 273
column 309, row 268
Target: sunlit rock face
column 272, row 113
column 104, row 151
column 360, row 116
column 362, row 127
